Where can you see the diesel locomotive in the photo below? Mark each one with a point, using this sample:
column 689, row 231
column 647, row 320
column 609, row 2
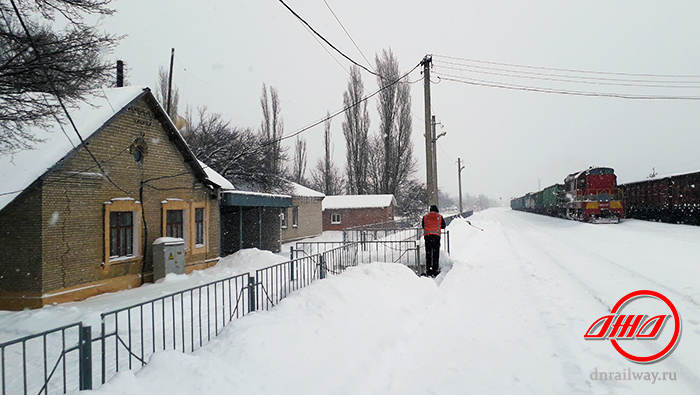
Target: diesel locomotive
column 591, row 195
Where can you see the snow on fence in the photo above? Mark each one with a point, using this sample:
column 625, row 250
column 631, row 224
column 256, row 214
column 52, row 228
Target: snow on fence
column 66, row 359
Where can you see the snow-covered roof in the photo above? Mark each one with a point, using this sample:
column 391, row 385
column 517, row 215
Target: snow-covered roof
column 300, row 190
column 358, row 201
column 19, row 170
column 216, row 178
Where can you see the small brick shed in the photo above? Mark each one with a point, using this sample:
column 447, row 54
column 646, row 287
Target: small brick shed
column 346, row 211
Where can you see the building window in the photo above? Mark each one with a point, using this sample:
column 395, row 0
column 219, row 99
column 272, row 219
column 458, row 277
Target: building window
column 173, row 223
column 295, row 216
column 199, row 226
column 335, row 219
column 121, row 233
column 283, row 216
column 121, row 229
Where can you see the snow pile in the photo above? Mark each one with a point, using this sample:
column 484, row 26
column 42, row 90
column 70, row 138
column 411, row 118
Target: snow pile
column 338, row 334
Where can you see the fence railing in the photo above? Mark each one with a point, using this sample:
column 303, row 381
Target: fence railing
column 184, row 321
column 47, row 362
column 61, row 360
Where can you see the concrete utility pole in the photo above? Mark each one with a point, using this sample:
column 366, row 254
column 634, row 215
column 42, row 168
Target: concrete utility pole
column 430, row 166
column 459, row 175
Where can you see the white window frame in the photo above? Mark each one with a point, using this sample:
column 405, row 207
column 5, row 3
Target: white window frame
column 295, row 217
column 336, row 219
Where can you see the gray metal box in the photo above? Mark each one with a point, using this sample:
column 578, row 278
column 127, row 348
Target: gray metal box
column 168, row 257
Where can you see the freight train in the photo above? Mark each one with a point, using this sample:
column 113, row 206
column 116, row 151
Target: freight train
column 591, row 195
column 673, row 199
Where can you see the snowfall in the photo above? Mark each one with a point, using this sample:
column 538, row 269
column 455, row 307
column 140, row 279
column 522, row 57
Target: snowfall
column 507, row 315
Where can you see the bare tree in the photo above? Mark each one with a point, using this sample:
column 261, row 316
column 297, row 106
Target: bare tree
column 299, row 161
column 235, row 153
column 395, row 126
column 325, row 176
column 271, row 130
column 355, row 130
column 40, row 66
column 161, row 93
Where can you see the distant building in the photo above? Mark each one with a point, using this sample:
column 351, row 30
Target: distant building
column 70, row 229
column 341, row 212
column 305, row 217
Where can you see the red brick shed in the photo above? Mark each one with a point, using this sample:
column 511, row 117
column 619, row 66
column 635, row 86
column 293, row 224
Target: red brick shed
column 342, row 212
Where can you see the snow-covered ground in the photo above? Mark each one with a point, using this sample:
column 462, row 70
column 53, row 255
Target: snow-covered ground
column 506, row 316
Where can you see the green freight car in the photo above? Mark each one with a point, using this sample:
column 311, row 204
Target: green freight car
column 549, row 199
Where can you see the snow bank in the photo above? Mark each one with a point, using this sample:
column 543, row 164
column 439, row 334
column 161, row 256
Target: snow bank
column 338, row 335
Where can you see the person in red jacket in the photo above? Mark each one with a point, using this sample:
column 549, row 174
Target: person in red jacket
column 432, row 223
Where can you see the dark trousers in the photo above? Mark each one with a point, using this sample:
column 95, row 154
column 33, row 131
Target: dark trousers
column 432, row 254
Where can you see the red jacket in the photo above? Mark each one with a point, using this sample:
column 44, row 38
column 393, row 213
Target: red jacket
column 432, row 223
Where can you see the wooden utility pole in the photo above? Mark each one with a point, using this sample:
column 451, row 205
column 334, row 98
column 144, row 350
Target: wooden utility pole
column 459, row 175
column 170, row 80
column 430, row 170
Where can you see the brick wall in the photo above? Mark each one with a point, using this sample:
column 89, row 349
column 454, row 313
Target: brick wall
column 310, row 219
column 20, row 246
column 357, row 217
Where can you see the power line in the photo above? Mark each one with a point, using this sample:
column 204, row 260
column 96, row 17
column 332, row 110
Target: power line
column 348, row 34
column 338, row 112
column 569, row 70
column 492, row 84
column 328, row 42
column 575, row 79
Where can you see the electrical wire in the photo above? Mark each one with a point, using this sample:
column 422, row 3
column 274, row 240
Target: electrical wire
column 338, row 112
column 569, row 70
column 328, row 42
column 348, row 34
column 58, row 97
column 492, row 84
column 576, row 78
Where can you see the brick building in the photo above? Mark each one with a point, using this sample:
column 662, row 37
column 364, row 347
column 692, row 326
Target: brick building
column 304, row 218
column 342, row 212
column 70, row 230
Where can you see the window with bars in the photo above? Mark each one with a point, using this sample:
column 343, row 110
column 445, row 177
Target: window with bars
column 174, row 223
column 121, row 233
column 199, row 226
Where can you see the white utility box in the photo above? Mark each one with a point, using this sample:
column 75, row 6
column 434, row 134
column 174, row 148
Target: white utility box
column 168, row 256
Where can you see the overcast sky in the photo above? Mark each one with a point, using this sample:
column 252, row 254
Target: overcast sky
column 511, row 140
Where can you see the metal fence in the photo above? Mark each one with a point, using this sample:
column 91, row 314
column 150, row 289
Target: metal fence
column 47, row 362
column 184, row 321
column 61, row 360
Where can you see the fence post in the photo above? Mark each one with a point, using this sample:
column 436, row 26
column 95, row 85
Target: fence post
column 85, row 356
column 251, row 293
column 291, row 263
column 322, row 266
column 448, row 241
column 418, row 259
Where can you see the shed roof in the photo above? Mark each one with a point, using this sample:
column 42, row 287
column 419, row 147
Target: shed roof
column 358, row 201
column 300, row 190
